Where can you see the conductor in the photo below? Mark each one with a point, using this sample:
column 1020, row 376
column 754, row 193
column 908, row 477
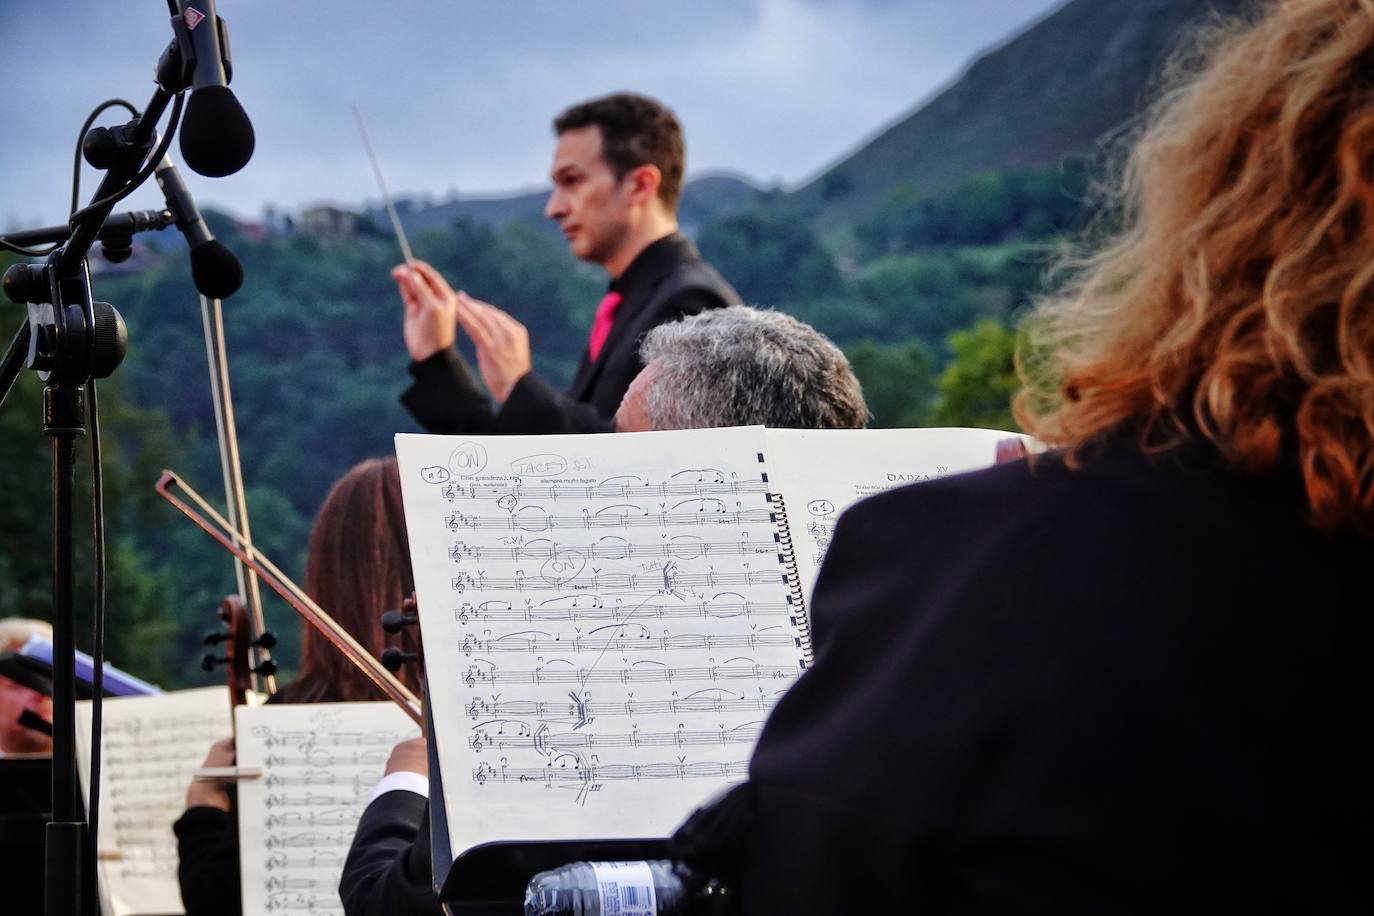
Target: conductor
column 617, row 175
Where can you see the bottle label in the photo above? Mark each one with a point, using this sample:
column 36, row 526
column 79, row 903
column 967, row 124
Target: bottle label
column 625, row 888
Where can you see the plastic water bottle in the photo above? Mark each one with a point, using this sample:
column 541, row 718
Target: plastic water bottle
column 621, row 889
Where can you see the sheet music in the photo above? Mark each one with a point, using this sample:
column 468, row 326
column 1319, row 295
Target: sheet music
column 319, row 763
column 822, row 472
column 606, row 619
column 150, row 746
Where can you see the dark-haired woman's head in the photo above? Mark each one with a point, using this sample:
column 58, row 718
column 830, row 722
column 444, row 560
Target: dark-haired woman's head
column 357, row 567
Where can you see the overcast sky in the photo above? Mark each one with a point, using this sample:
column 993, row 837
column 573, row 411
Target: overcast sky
column 458, row 94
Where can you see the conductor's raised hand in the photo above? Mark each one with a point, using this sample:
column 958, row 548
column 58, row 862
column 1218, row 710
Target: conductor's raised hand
column 430, row 307
column 503, row 344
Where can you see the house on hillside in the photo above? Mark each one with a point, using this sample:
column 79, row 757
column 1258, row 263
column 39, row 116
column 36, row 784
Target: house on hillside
column 330, row 223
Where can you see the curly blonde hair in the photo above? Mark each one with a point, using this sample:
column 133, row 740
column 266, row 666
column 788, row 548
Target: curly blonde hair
column 1236, row 300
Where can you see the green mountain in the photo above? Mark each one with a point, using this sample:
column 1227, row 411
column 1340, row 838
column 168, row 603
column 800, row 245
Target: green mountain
column 1053, row 90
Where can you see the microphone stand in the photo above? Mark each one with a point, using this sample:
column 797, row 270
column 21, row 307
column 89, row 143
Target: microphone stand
column 70, row 339
column 116, row 236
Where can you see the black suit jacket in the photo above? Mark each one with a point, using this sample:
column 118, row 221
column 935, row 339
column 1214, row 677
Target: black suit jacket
column 666, row 281
column 1133, row 688
column 388, row 869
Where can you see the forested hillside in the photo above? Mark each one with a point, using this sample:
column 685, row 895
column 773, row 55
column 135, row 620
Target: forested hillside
column 919, row 255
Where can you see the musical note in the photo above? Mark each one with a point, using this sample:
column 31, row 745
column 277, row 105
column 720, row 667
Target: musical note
column 542, row 521
column 571, row 609
column 608, row 489
column 731, row 770
column 545, row 742
column 713, row 701
column 515, row 642
column 650, row 675
column 610, row 548
column 665, row 579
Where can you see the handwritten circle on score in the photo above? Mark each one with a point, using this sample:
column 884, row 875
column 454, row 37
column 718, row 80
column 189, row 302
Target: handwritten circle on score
column 539, row 466
column 820, row 507
column 468, row 459
column 434, row 474
column 563, row 566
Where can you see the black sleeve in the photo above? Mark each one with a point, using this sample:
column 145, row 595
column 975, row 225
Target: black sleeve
column 445, row 397
column 536, row 407
column 208, row 861
column 388, row 869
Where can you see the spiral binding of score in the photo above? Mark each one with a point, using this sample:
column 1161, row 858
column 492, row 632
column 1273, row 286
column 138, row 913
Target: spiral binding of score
column 801, row 620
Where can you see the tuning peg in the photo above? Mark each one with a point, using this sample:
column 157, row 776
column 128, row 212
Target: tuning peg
column 213, row 639
column 396, row 621
column 210, row 660
column 268, row 640
column 266, row 669
column 393, row 658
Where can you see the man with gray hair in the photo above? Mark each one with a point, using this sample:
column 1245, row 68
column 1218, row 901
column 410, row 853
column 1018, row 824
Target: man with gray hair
column 740, row 366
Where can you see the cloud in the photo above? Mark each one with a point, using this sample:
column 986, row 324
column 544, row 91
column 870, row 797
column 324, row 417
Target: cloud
column 459, row 95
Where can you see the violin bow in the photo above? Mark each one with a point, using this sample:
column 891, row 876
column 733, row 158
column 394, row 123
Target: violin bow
column 219, row 528
column 217, row 356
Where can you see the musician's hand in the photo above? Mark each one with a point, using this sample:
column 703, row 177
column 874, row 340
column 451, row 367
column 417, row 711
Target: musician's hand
column 213, row 794
column 430, row 304
column 409, row 757
column 503, row 344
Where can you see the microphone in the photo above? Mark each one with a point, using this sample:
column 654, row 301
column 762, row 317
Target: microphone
column 116, row 226
column 215, row 270
column 216, row 135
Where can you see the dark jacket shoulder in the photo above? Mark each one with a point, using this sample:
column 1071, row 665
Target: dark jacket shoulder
column 1045, row 689
column 388, row 869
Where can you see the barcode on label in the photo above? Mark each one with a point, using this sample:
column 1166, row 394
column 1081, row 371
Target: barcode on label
column 625, row 888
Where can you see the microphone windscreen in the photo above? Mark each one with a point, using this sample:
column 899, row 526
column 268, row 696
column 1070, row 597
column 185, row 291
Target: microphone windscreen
column 215, row 271
column 216, row 135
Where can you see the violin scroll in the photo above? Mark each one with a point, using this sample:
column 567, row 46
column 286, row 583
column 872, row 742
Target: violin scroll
column 238, row 633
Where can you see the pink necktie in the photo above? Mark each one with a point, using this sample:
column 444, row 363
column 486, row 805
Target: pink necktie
column 601, row 325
